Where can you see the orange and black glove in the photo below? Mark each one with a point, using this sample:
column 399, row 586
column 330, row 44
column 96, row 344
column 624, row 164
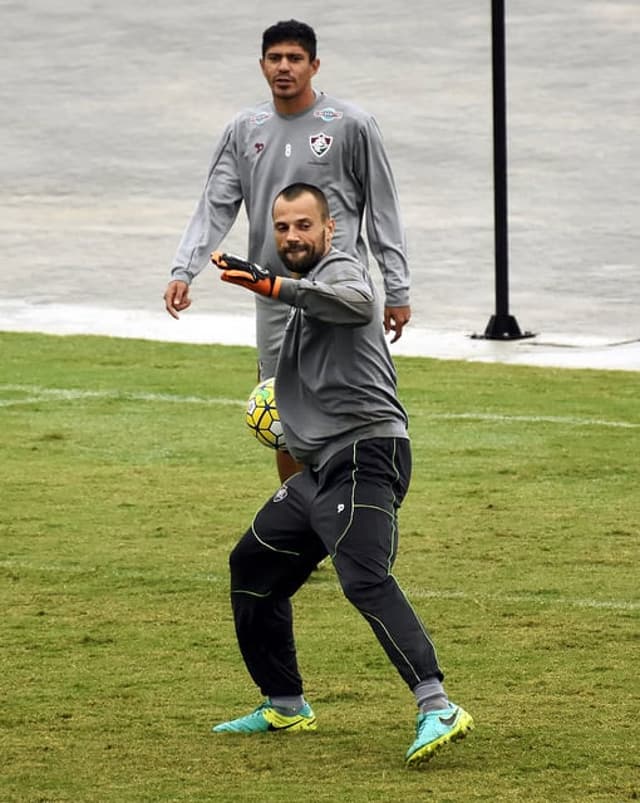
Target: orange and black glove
column 247, row 274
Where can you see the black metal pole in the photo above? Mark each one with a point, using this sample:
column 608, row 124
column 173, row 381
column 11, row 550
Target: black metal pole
column 500, row 210
column 502, row 325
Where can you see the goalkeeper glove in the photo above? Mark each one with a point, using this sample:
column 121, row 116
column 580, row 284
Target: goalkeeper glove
column 247, row 274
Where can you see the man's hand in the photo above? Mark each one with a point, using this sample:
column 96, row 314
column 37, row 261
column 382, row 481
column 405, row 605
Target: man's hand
column 246, row 274
column 176, row 297
column 395, row 319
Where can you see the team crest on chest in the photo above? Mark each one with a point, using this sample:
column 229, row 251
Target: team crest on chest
column 320, row 143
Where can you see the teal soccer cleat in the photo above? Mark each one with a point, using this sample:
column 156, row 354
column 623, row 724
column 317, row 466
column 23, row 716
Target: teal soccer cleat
column 265, row 718
column 436, row 729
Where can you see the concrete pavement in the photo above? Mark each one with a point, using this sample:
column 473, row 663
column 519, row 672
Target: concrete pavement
column 558, row 350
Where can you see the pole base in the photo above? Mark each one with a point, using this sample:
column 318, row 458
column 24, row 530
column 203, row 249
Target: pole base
column 503, row 327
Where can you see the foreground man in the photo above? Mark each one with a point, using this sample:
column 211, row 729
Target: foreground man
column 336, row 394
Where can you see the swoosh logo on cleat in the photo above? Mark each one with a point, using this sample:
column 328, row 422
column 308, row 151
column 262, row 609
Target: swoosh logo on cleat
column 449, row 721
column 288, row 725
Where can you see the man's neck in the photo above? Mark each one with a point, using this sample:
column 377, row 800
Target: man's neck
column 295, row 105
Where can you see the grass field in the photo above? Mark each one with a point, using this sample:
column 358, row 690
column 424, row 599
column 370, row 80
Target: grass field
column 126, row 475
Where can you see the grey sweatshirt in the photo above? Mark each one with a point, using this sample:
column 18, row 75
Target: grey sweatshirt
column 335, row 381
column 334, row 145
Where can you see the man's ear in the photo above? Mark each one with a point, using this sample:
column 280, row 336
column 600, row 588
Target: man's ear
column 330, row 230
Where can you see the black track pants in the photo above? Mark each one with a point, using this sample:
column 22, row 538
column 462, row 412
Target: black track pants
column 347, row 510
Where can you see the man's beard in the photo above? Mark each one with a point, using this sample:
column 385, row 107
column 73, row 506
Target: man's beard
column 304, row 263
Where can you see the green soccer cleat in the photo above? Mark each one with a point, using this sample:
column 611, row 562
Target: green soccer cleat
column 436, row 729
column 265, row 718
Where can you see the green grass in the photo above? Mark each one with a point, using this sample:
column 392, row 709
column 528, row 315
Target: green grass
column 126, row 475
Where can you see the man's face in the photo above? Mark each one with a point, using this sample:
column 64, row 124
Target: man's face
column 288, row 69
column 302, row 236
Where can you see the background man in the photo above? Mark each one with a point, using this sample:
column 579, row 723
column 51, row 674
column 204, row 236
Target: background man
column 298, row 135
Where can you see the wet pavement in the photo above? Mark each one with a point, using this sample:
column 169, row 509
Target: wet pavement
column 111, row 112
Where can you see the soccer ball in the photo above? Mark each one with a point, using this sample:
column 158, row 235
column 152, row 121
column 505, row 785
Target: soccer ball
column 262, row 416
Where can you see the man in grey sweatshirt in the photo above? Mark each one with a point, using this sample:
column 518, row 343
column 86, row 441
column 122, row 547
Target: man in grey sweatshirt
column 335, row 389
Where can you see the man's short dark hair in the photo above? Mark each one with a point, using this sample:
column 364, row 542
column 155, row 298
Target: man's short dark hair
column 294, row 191
column 290, row 31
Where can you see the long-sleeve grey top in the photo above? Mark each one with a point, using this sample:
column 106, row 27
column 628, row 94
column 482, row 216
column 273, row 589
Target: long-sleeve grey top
column 335, row 380
column 334, row 145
